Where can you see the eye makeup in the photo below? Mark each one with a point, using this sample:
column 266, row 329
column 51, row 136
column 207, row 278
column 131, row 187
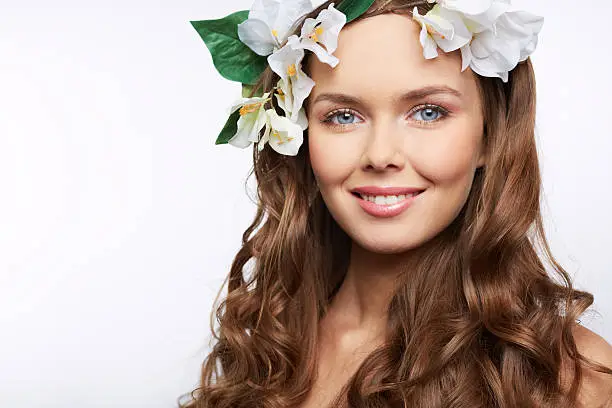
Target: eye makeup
column 334, row 118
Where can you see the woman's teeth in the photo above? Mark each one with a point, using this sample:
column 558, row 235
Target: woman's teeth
column 388, row 200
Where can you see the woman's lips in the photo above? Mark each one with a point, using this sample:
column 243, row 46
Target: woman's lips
column 386, row 210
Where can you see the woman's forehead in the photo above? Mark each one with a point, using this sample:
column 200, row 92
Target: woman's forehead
column 383, row 54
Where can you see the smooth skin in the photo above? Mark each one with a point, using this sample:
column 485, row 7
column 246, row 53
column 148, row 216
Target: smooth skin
column 386, row 116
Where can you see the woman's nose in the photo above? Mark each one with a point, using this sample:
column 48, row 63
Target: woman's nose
column 383, row 149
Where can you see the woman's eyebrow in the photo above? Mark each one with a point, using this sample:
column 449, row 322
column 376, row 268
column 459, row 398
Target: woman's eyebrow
column 410, row 95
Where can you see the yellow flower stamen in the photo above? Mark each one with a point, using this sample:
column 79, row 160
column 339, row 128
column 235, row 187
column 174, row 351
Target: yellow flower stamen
column 250, row 108
column 278, row 136
column 280, row 139
column 291, row 70
column 316, row 33
column 275, row 33
column 432, row 31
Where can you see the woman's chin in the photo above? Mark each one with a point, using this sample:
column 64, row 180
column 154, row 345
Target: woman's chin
column 387, row 245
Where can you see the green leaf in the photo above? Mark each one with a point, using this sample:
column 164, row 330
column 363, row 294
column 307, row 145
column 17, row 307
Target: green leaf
column 247, row 89
column 354, row 8
column 232, row 58
column 230, row 128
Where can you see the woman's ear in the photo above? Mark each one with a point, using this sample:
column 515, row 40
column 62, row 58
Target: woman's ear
column 482, row 159
column 482, row 154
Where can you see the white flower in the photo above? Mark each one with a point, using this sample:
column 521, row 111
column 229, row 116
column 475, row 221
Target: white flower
column 269, row 23
column 252, row 119
column 498, row 50
column 492, row 39
column 320, row 35
column 282, row 134
column 525, row 26
column 285, row 99
column 465, row 6
column 294, row 83
column 441, row 28
column 477, row 23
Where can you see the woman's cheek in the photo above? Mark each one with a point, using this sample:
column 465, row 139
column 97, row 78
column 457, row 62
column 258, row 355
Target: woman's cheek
column 451, row 157
column 332, row 156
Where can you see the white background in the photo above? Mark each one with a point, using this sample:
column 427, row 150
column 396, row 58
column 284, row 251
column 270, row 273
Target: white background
column 119, row 217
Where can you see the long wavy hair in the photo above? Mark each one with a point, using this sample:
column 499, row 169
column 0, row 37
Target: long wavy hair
column 479, row 323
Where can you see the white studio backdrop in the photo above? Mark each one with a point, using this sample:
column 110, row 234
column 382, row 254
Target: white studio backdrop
column 120, row 217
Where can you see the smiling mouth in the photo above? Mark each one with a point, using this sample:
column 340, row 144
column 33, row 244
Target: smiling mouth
column 386, row 199
column 386, row 207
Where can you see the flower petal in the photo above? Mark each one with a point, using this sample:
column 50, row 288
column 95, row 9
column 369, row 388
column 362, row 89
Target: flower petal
column 522, row 26
column 466, row 6
column 237, row 104
column 265, row 10
column 437, row 21
column 528, row 20
column 285, row 136
column 257, row 36
column 501, row 51
column 500, row 38
column 279, row 16
column 291, row 103
column 320, row 34
column 259, row 123
column 243, row 134
column 475, row 65
column 251, row 121
column 498, row 50
column 450, row 32
column 430, row 49
column 280, row 60
column 249, row 125
column 477, row 23
column 301, row 86
column 246, row 101
column 324, row 56
column 330, row 22
column 295, row 84
column 241, row 138
column 528, row 48
column 466, row 57
column 288, row 13
column 266, row 136
column 302, row 119
column 285, row 100
column 280, row 100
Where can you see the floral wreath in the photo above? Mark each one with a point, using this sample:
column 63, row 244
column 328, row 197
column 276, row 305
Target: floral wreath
column 492, row 37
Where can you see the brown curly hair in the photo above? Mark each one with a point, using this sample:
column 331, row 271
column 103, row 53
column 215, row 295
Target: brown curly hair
column 480, row 323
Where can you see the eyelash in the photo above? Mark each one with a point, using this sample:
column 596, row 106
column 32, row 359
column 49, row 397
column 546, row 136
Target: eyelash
column 337, row 112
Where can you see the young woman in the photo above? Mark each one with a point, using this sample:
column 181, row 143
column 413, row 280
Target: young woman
column 399, row 254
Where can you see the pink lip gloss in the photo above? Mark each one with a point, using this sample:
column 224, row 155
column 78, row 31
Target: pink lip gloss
column 386, row 210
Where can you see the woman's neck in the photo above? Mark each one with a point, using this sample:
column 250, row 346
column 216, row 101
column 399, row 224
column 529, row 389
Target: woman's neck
column 362, row 300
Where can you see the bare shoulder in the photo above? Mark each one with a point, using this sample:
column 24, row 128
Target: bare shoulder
column 596, row 390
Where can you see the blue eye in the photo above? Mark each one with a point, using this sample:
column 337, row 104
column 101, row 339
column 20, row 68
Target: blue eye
column 425, row 114
column 429, row 113
column 342, row 117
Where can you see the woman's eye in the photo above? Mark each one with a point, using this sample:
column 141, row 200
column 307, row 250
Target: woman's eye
column 341, row 118
column 428, row 113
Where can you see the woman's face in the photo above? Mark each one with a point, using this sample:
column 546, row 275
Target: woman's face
column 387, row 117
